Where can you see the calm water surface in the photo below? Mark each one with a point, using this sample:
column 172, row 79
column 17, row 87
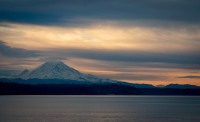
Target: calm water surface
column 99, row 109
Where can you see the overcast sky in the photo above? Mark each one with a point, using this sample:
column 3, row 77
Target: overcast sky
column 140, row 41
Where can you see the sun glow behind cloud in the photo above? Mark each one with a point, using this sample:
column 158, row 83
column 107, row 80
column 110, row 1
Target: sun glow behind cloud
column 101, row 37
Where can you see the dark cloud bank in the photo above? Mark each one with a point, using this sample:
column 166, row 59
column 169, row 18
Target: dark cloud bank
column 132, row 56
column 73, row 12
column 181, row 60
column 12, row 52
column 192, row 77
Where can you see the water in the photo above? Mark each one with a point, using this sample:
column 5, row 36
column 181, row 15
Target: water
column 99, row 108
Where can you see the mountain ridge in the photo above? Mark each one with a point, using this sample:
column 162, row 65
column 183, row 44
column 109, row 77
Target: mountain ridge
column 57, row 72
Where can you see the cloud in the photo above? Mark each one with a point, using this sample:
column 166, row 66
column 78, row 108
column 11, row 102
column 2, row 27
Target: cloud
column 47, row 57
column 8, row 73
column 12, row 52
column 134, row 40
column 129, row 56
column 127, row 76
column 192, row 77
column 112, row 37
column 73, row 12
column 144, row 46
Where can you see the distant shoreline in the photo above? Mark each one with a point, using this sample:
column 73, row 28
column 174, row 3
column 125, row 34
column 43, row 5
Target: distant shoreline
column 89, row 89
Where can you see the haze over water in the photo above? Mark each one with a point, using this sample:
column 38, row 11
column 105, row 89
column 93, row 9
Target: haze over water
column 33, row 108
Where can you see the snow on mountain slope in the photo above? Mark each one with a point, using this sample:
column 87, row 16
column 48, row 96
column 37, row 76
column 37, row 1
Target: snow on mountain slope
column 54, row 70
column 59, row 70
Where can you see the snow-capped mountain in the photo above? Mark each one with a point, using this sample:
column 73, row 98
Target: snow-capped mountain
column 54, row 70
column 59, row 70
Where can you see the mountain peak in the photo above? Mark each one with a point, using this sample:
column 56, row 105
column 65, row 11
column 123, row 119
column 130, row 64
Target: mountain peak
column 59, row 70
column 54, row 70
column 24, row 73
column 54, row 63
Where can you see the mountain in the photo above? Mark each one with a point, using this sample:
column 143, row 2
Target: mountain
column 143, row 85
column 182, row 86
column 57, row 78
column 54, row 70
column 58, row 71
column 160, row 86
column 23, row 74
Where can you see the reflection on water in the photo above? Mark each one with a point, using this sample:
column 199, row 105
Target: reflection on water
column 99, row 109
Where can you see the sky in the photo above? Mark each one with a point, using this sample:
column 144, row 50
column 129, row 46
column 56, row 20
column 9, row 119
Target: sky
column 138, row 41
